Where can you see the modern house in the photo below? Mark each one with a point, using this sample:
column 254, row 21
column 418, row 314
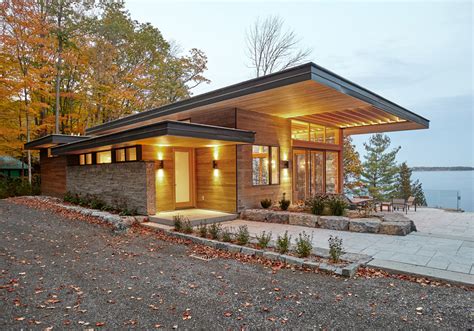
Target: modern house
column 225, row 150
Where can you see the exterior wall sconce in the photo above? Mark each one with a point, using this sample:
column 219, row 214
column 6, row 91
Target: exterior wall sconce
column 161, row 164
column 214, row 164
column 286, row 164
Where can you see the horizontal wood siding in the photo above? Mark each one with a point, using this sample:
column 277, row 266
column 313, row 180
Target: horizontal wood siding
column 164, row 178
column 53, row 174
column 270, row 131
column 216, row 188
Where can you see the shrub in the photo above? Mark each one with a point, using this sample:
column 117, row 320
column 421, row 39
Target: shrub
column 335, row 248
column 11, row 187
column 128, row 212
column 243, row 236
column 187, row 227
column 283, row 243
column 317, row 203
column 214, row 230
column 266, row 203
column 202, row 229
column 178, row 222
column 264, row 239
column 337, row 204
column 303, row 245
column 96, row 203
column 284, row 203
column 227, row 235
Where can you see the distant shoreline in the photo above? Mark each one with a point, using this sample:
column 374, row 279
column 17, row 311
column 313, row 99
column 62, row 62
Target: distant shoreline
column 458, row 168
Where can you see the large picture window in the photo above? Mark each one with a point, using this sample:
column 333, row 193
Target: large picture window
column 104, row 157
column 265, row 165
column 313, row 132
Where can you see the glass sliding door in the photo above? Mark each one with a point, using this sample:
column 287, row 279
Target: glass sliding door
column 300, row 175
column 314, row 172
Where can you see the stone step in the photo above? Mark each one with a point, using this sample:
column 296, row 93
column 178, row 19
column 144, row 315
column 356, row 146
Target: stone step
column 196, row 222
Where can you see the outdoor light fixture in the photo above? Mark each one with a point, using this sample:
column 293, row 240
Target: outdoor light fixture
column 286, row 164
column 161, row 164
column 214, row 164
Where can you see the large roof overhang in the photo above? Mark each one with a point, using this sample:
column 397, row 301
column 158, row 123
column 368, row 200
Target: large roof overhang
column 166, row 133
column 53, row 140
column 307, row 92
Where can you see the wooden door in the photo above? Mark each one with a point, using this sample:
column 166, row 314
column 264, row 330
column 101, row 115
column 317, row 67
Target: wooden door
column 184, row 177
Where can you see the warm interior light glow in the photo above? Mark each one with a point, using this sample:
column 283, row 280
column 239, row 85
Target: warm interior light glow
column 216, row 153
column 160, row 174
column 216, row 172
column 159, row 155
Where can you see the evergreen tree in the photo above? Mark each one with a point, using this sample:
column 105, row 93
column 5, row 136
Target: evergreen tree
column 417, row 192
column 404, row 182
column 352, row 167
column 379, row 170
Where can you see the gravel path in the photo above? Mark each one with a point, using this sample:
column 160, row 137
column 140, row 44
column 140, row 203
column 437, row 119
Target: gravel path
column 66, row 273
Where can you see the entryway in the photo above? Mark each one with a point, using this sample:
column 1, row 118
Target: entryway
column 183, row 177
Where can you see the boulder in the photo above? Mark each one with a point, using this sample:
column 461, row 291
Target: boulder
column 395, row 228
column 370, row 225
column 303, row 219
column 340, row 223
column 398, row 217
column 256, row 215
column 264, row 215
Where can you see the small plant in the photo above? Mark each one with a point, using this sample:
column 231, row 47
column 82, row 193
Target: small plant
column 337, row 204
column 227, row 235
column 266, row 203
column 187, row 227
column 284, row 203
column 214, row 230
column 202, row 229
column 264, row 239
column 317, row 203
column 243, row 236
column 283, row 243
column 96, row 203
column 335, row 248
column 128, row 212
column 178, row 222
column 303, row 245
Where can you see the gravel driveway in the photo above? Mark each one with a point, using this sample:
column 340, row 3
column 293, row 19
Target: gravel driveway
column 57, row 272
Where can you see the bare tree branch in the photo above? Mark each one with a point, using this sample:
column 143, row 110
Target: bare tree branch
column 270, row 48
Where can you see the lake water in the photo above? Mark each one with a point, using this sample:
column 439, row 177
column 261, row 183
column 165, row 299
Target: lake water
column 442, row 187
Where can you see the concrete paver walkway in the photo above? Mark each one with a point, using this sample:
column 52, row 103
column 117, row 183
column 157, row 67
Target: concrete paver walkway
column 444, row 242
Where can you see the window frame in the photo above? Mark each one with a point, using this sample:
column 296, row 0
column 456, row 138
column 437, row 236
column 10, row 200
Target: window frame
column 270, row 171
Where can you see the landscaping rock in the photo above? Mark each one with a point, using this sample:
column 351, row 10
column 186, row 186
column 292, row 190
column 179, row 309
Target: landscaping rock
column 233, row 248
column 249, row 251
column 395, row 228
column 272, row 256
column 397, row 217
column 264, row 215
column 294, row 260
column 370, row 225
column 311, row 264
column 303, row 219
column 340, row 223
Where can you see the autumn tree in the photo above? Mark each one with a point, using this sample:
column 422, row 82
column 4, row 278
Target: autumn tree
column 352, row 167
column 271, row 47
column 379, row 170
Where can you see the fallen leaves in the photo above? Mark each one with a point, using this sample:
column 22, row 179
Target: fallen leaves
column 187, row 314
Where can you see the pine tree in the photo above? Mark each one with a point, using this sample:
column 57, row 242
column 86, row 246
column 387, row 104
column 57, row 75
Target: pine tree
column 379, row 170
column 404, row 190
column 352, row 167
column 417, row 192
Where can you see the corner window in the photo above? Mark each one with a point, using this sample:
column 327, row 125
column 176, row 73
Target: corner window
column 265, row 165
column 332, row 179
column 104, row 157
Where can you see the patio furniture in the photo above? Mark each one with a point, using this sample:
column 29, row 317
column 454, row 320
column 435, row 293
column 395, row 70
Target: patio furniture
column 399, row 203
column 387, row 204
column 411, row 203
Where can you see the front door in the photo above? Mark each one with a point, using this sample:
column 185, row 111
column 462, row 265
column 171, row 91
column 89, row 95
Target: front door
column 183, row 177
column 308, row 173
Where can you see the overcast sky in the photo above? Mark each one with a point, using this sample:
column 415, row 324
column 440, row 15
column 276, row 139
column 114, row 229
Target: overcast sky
column 417, row 54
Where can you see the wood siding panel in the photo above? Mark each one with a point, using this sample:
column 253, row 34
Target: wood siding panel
column 216, row 189
column 164, row 178
column 53, row 174
column 270, row 131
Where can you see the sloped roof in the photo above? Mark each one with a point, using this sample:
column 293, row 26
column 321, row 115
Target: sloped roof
column 9, row 162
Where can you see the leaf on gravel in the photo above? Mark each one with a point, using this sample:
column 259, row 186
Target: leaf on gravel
column 227, row 314
column 19, row 318
column 187, row 315
column 100, row 324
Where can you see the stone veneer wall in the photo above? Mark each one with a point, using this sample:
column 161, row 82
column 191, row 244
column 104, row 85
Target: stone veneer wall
column 117, row 184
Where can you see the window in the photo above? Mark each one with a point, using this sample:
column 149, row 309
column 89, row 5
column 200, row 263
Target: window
column 104, row 157
column 265, row 165
column 331, row 172
column 120, row 155
column 275, row 168
column 89, row 158
column 313, row 132
column 82, row 159
column 131, row 154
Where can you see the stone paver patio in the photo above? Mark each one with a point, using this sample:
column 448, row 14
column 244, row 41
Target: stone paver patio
column 444, row 243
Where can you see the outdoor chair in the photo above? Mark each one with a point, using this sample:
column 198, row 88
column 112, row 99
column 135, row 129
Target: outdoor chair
column 399, row 203
column 387, row 204
column 411, row 203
